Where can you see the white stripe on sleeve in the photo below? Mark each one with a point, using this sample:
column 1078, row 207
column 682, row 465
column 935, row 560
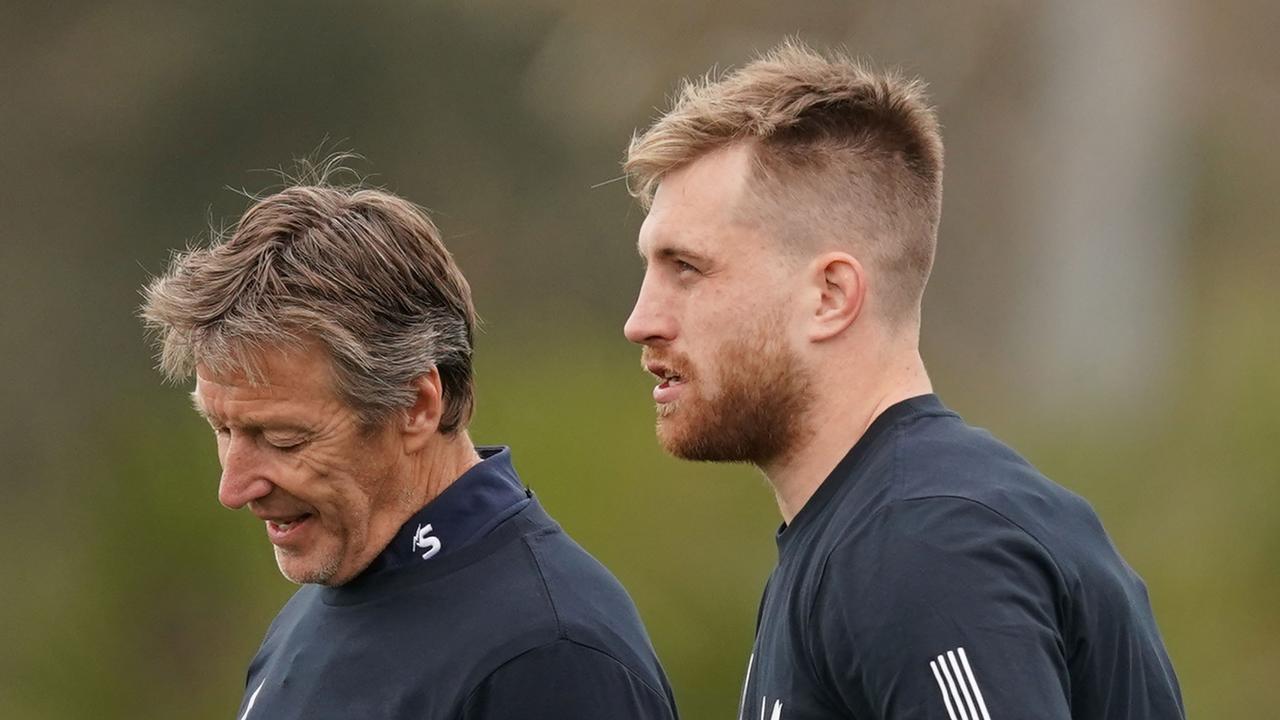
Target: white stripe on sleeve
column 951, row 684
column 977, row 692
column 946, row 699
column 959, row 687
column 964, row 685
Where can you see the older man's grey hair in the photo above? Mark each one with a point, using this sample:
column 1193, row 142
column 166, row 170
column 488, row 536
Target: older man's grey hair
column 361, row 271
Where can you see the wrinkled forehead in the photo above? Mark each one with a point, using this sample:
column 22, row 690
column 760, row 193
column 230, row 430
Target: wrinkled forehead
column 285, row 373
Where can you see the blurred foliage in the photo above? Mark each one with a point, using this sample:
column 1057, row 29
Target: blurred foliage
column 131, row 593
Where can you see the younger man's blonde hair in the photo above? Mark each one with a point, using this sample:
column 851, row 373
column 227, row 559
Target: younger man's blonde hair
column 843, row 156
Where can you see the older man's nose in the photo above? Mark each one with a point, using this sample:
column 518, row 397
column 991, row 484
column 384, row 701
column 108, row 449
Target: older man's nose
column 242, row 480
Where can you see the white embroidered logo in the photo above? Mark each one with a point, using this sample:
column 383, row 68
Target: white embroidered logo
column 742, row 704
column 252, row 699
column 764, row 700
column 423, row 539
column 777, row 709
column 957, row 683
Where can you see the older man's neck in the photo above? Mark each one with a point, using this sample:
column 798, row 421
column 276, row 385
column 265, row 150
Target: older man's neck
column 439, row 466
column 838, row 419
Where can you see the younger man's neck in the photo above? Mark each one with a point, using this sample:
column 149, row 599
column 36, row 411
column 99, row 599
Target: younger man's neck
column 836, row 422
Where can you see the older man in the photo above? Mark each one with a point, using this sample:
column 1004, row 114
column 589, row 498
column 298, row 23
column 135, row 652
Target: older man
column 925, row 570
column 331, row 340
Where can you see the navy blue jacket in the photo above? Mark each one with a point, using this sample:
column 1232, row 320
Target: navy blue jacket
column 481, row 607
column 936, row 575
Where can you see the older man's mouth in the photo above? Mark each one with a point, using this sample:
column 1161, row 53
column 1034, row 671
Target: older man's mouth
column 290, row 529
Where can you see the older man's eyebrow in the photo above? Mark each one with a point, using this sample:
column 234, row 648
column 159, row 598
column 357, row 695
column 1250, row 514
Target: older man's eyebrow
column 197, row 406
column 254, row 426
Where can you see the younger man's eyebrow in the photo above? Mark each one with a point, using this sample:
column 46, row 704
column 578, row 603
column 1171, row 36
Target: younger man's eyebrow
column 668, row 252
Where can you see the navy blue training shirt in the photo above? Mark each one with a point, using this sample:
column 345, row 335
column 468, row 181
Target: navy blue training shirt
column 481, row 607
column 936, row 575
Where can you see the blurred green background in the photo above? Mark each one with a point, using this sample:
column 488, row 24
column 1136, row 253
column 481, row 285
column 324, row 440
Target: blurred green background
column 1105, row 299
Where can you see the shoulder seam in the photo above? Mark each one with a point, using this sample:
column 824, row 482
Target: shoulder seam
column 993, row 511
column 896, row 440
column 1057, row 568
column 844, row 542
column 662, row 696
column 546, row 586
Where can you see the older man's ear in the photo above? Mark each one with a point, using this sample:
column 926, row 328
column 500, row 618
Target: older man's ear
column 421, row 420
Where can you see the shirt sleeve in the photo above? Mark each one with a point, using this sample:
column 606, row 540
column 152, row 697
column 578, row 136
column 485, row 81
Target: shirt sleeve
column 942, row 609
column 564, row 680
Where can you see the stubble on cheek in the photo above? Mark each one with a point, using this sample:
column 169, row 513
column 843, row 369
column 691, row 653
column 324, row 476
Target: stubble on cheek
column 321, row 569
column 320, row 489
column 756, row 413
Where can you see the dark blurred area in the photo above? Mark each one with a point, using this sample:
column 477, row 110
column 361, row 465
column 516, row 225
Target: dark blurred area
column 1105, row 299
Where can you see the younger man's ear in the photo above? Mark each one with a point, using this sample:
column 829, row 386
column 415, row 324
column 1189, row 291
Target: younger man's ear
column 422, row 418
column 841, row 285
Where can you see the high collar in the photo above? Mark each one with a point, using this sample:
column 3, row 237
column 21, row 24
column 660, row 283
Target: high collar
column 477, row 502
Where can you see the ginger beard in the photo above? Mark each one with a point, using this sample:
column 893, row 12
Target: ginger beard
column 757, row 413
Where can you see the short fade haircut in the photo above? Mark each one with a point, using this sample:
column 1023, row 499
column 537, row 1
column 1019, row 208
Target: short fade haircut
column 840, row 153
column 359, row 270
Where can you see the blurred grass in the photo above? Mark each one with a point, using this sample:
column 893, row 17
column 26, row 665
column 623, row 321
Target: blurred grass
column 130, row 592
column 160, row 597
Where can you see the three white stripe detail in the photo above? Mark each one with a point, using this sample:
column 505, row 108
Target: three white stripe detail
column 956, row 685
